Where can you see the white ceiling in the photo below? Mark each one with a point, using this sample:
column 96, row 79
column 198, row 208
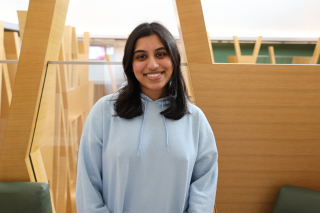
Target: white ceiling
column 273, row 19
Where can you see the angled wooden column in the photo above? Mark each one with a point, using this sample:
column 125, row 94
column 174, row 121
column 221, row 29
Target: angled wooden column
column 193, row 36
column 192, row 31
column 12, row 49
column 22, row 17
column 40, row 44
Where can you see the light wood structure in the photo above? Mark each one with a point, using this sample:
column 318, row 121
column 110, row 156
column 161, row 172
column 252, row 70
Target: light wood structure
column 192, row 31
column 10, row 50
column 309, row 60
column 271, row 55
column 248, row 59
column 40, row 45
column 113, row 82
column 210, row 47
column 22, row 17
column 60, row 96
column 69, row 98
column 265, row 119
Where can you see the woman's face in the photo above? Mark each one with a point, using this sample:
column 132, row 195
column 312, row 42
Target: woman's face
column 152, row 66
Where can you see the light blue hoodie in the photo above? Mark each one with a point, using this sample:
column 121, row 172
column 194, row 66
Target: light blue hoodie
column 148, row 164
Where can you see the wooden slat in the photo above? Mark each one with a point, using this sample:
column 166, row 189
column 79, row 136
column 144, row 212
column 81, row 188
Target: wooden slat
column 257, row 46
column 271, row 54
column 113, row 81
column 75, row 57
column 301, row 60
column 266, row 121
column 12, row 49
column 77, row 102
column 236, row 46
column 22, row 17
column 40, row 44
column 67, row 37
column 210, row 46
column 316, row 53
column 7, row 84
column 86, row 42
column 74, row 47
column 192, row 31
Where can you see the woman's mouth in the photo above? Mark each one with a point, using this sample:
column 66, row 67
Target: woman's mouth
column 154, row 76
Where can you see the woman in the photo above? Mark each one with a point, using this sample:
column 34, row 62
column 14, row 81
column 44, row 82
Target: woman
column 145, row 149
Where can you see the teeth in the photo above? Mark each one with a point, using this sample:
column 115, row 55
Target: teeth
column 154, row 75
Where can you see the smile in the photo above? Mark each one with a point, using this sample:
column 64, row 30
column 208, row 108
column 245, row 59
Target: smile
column 153, row 74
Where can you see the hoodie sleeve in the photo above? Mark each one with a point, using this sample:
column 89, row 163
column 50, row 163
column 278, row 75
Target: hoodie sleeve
column 89, row 197
column 204, row 178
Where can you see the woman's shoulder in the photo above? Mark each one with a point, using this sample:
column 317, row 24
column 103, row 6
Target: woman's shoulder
column 104, row 104
column 106, row 100
column 194, row 110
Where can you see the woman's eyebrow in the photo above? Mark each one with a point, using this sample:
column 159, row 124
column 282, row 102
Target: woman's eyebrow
column 143, row 51
column 161, row 48
column 139, row 51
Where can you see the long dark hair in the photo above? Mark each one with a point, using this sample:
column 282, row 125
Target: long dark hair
column 128, row 104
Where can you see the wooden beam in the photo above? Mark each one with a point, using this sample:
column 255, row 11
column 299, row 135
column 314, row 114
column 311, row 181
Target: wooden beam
column 210, row 46
column 192, row 31
column 271, row 54
column 22, row 17
column 316, row 53
column 40, row 44
column 12, row 49
column 113, row 81
column 74, row 43
column 86, row 42
column 237, row 46
column 257, row 46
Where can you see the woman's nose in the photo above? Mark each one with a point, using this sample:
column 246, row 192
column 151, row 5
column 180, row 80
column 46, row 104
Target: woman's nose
column 152, row 64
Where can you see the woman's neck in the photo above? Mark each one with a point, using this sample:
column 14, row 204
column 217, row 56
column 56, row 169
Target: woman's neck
column 153, row 94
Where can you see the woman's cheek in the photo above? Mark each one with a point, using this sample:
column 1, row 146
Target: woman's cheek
column 137, row 68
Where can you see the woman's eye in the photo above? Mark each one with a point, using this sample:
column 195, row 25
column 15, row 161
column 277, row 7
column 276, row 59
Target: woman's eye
column 141, row 56
column 161, row 54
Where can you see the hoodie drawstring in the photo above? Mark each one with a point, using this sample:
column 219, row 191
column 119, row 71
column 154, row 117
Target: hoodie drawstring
column 165, row 124
column 142, row 127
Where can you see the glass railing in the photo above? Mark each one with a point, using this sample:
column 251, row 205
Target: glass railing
column 70, row 90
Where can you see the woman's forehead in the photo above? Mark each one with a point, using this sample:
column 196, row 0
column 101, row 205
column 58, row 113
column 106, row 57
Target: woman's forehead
column 149, row 43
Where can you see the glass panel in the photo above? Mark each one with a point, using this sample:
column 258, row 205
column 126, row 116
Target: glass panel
column 69, row 93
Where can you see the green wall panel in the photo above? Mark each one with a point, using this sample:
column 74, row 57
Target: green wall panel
column 283, row 52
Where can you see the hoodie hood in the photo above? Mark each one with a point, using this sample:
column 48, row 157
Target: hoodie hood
column 163, row 102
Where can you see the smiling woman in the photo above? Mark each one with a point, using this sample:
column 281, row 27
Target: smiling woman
column 152, row 66
column 145, row 148
column 151, row 49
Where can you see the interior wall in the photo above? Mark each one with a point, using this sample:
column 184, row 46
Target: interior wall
column 222, row 50
column 266, row 121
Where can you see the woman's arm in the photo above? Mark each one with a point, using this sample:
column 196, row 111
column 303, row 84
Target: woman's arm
column 89, row 182
column 204, row 178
